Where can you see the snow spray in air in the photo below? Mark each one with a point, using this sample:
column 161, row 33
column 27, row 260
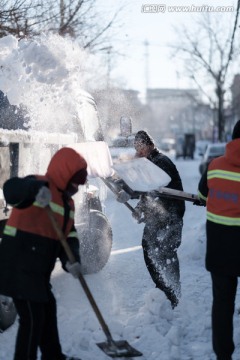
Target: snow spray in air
column 46, row 75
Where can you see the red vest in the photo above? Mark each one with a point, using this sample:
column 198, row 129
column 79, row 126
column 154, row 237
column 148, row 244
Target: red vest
column 34, row 219
column 223, row 201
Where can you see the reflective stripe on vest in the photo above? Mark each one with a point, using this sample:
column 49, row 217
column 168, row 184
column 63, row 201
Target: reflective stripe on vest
column 73, row 234
column 201, row 196
column 223, row 174
column 55, row 208
column 10, row 230
column 224, row 220
column 224, row 193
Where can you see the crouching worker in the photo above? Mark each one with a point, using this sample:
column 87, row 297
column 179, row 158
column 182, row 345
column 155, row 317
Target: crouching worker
column 30, row 247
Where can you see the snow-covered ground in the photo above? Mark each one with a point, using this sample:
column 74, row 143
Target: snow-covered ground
column 133, row 309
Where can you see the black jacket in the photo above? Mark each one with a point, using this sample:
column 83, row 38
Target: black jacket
column 26, row 259
column 157, row 209
column 163, row 162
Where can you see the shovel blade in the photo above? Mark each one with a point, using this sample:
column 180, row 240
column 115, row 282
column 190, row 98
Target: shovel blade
column 141, row 174
column 119, row 348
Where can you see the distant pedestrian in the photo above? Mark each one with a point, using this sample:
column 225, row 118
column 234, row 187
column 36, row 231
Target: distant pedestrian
column 30, row 247
column 219, row 188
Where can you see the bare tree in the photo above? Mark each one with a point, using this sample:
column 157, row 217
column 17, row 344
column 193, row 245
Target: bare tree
column 80, row 19
column 208, row 52
column 15, row 17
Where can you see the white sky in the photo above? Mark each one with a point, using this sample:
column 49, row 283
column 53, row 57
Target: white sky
column 157, row 29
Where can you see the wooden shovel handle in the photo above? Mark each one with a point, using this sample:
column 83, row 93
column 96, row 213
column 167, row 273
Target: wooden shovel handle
column 60, row 235
column 72, row 260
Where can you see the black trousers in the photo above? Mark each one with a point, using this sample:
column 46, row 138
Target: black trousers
column 160, row 244
column 224, row 292
column 37, row 329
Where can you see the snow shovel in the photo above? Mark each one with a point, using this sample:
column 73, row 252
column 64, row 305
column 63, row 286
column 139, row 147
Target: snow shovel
column 112, row 348
column 142, row 175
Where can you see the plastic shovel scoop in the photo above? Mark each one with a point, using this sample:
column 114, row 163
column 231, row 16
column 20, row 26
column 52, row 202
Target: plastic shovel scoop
column 140, row 174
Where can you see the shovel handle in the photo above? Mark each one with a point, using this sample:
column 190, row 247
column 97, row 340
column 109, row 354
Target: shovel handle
column 61, row 236
column 72, row 260
column 111, row 187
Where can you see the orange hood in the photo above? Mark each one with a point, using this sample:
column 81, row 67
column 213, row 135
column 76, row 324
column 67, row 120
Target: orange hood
column 63, row 165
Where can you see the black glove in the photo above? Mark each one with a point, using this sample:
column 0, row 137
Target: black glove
column 199, row 203
column 137, row 215
column 154, row 194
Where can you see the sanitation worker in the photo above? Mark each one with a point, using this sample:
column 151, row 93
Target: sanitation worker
column 30, row 247
column 219, row 188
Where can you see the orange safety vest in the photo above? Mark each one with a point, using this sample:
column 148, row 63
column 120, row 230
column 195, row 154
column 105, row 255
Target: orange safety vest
column 223, row 201
column 34, row 219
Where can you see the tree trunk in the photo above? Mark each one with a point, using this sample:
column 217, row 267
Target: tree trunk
column 221, row 117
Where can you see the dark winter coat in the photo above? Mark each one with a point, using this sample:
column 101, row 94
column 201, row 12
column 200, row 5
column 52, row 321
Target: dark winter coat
column 157, row 208
column 27, row 256
column 219, row 186
column 163, row 231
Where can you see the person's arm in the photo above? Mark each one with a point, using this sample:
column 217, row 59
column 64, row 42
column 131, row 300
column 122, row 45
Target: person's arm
column 21, row 192
column 121, row 189
column 203, row 188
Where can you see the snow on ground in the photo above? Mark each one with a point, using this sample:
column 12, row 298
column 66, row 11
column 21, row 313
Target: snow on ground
column 133, row 309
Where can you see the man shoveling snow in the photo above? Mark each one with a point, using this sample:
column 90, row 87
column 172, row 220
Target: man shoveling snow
column 163, row 218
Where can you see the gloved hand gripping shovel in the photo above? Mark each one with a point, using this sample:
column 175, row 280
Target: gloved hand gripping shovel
column 112, row 348
column 111, row 187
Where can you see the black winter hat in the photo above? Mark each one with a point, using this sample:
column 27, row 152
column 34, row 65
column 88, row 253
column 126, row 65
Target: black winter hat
column 143, row 137
column 236, row 131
